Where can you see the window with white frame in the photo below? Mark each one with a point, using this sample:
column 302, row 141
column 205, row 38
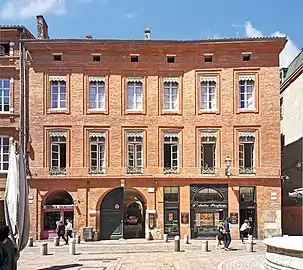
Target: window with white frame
column 208, row 152
column 246, row 92
column 171, row 94
column 58, row 92
column 97, row 93
column 208, row 94
column 4, row 95
column 171, row 152
column 97, row 153
column 134, row 152
column 134, row 94
column 246, row 152
column 58, row 153
column 4, row 153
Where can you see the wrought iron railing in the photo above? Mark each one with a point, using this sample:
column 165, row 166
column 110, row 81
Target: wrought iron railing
column 96, row 171
column 247, row 170
column 57, row 171
column 208, row 170
column 170, row 170
column 134, row 170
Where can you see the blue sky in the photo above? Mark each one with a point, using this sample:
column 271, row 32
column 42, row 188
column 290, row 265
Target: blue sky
column 168, row 19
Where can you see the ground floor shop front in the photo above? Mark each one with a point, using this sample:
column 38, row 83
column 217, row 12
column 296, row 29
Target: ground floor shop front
column 140, row 207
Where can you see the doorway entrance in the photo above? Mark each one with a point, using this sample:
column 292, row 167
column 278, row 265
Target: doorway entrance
column 57, row 205
column 209, row 206
column 122, row 214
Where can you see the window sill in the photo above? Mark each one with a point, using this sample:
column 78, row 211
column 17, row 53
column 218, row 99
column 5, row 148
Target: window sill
column 129, row 111
column 6, row 114
column 97, row 111
column 209, row 112
column 62, row 111
column 171, row 112
column 3, row 172
column 247, row 111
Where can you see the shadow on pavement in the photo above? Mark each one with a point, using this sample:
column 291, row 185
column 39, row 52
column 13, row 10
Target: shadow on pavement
column 61, row 267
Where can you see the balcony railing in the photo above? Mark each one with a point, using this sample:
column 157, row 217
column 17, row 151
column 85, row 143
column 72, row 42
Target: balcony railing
column 170, row 170
column 247, row 170
column 134, row 170
column 208, row 170
column 96, row 171
column 57, row 171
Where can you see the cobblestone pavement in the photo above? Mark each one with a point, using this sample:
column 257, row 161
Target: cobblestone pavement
column 142, row 254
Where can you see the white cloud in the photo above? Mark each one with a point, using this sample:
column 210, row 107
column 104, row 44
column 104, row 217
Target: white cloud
column 24, row 9
column 129, row 16
column 290, row 50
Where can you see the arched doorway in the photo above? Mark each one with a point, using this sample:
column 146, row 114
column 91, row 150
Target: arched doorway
column 58, row 204
column 122, row 214
column 209, row 206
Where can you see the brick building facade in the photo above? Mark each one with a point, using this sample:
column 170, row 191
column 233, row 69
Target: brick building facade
column 132, row 137
column 9, row 97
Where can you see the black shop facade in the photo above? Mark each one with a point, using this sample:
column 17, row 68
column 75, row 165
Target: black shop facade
column 208, row 206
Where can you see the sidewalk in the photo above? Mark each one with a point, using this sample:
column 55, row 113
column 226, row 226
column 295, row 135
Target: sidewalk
column 139, row 254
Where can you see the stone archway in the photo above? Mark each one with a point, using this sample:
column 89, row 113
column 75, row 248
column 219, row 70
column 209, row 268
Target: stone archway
column 122, row 214
column 58, row 204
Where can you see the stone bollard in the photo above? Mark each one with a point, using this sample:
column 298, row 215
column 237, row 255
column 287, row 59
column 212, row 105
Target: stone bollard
column 250, row 244
column 56, row 241
column 177, row 243
column 30, row 242
column 165, row 237
column 78, row 239
column 72, row 247
column 205, row 246
column 43, row 249
column 185, row 239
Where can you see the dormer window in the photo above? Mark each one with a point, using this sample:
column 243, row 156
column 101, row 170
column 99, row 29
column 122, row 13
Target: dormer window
column 57, row 57
column 170, row 58
column 134, row 58
column 4, row 49
column 246, row 56
column 208, row 57
column 96, row 58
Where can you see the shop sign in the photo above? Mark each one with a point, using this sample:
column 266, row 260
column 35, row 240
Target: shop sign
column 170, row 216
column 234, row 218
column 58, row 207
column 184, row 217
column 209, row 205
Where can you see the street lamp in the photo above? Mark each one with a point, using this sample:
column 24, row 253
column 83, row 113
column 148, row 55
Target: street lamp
column 227, row 166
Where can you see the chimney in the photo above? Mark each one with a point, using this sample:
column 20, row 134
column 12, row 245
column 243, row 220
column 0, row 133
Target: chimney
column 147, row 34
column 42, row 28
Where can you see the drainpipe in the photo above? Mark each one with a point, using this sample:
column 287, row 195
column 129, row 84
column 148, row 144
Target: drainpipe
column 21, row 74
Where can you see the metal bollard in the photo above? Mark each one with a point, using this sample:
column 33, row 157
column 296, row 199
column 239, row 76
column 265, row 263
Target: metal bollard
column 165, row 237
column 185, row 239
column 205, row 246
column 78, row 239
column 56, row 241
column 72, row 247
column 43, row 249
column 30, row 242
column 177, row 243
column 250, row 244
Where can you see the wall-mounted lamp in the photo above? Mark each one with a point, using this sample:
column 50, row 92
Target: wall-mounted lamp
column 284, row 178
column 298, row 164
column 156, row 183
column 227, row 166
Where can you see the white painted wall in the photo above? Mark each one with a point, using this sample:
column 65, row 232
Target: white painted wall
column 292, row 108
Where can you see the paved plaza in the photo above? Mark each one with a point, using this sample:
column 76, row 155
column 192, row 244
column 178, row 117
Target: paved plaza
column 142, row 254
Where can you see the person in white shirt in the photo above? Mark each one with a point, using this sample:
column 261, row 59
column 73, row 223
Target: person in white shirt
column 244, row 230
column 69, row 229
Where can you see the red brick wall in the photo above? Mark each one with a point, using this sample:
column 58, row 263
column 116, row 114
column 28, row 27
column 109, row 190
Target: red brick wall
column 115, row 65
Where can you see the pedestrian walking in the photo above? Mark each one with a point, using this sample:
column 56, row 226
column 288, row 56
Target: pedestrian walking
column 227, row 236
column 244, row 230
column 220, row 235
column 61, row 230
column 8, row 251
column 69, row 229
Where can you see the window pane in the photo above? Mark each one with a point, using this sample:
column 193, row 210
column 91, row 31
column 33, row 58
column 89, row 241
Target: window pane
column 62, row 155
column 54, row 89
column 6, row 84
column 171, row 194
column 167, row 156
column 62, row 104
